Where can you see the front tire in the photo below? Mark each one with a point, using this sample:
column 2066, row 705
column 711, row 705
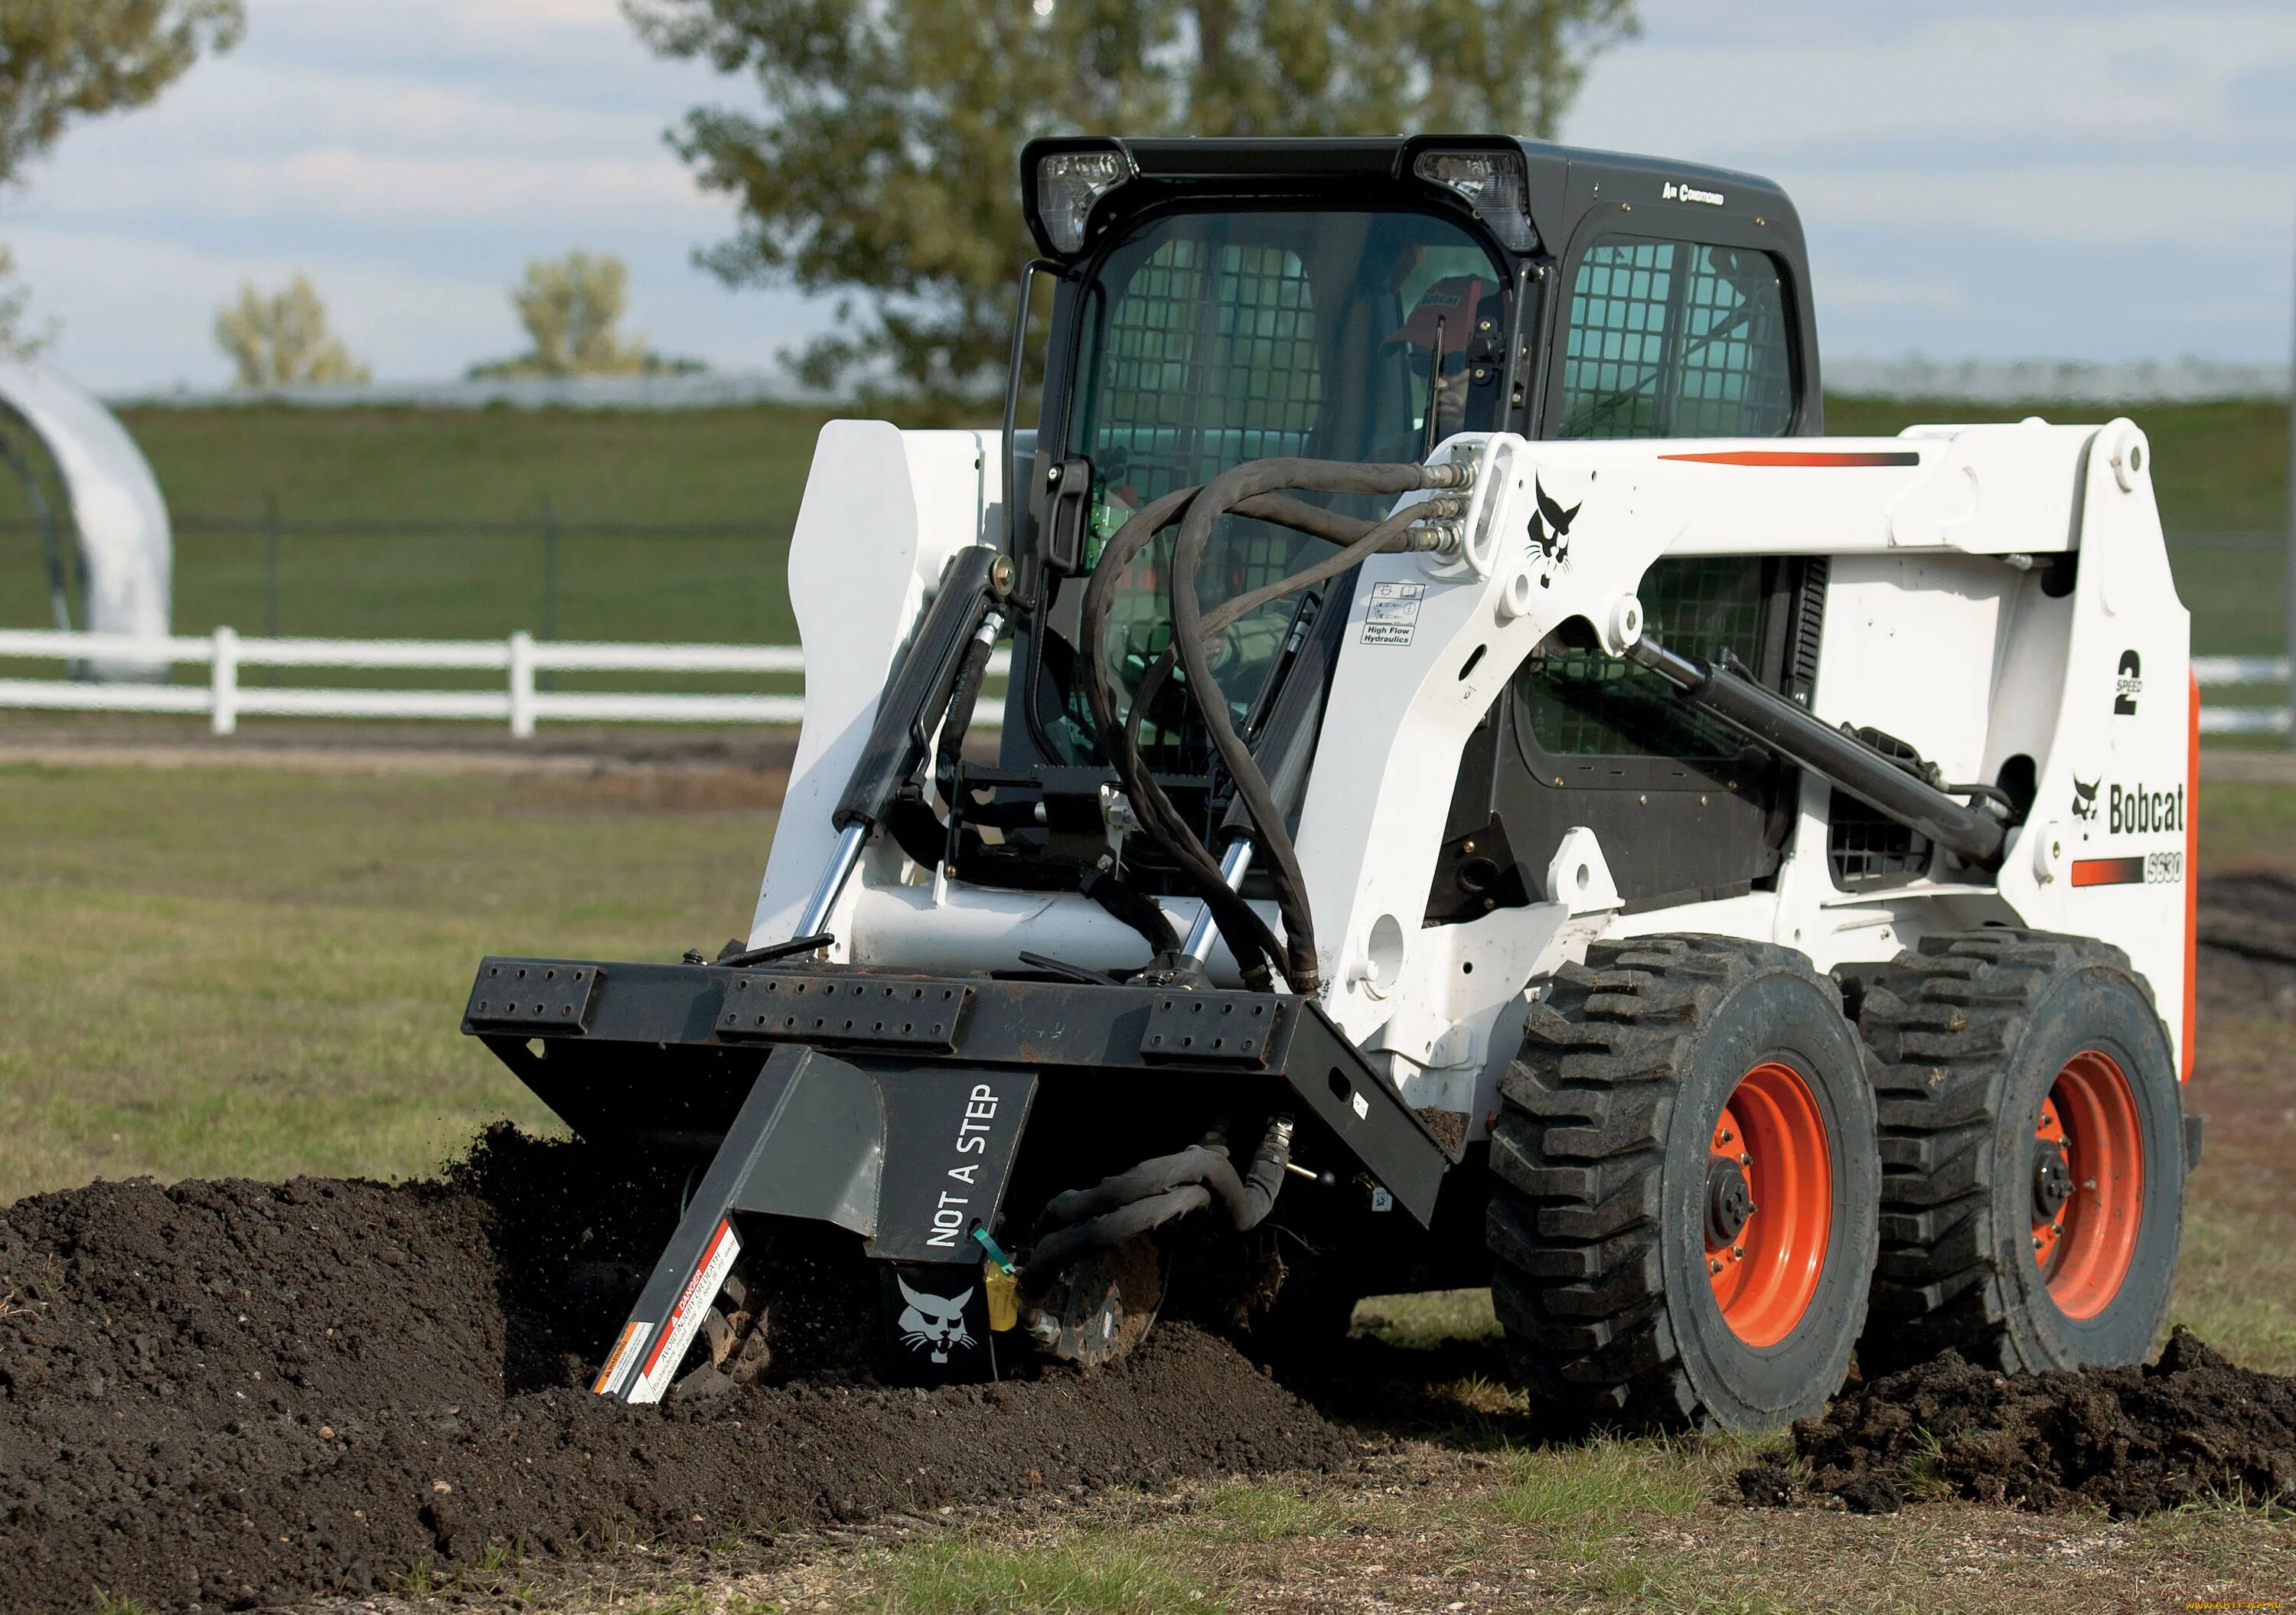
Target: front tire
column 1683, row 1219
column 2032, row 1139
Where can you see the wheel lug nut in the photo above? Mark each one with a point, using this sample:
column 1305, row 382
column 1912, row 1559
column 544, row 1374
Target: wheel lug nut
column 1737, row 1253
column 1713, row 1264
column 1745, row 1159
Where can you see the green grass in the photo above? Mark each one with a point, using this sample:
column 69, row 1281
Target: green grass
column 1588, row 1490
column 1088, row 1575
column 248, row 973
column 2220, row 468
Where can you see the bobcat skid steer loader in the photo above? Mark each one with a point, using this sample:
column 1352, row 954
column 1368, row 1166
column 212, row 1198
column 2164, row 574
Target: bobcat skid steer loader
column 1487, row 792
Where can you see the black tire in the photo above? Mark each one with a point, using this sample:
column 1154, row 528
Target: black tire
column 1597, row 1224
column 1968, row 1034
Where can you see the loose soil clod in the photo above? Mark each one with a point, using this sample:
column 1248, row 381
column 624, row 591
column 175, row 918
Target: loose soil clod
column 232, row 1393
column 2189, row 1428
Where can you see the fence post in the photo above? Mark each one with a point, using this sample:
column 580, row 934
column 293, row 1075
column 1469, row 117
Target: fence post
column 222, row 684
column 271, row 569
column 521, row 684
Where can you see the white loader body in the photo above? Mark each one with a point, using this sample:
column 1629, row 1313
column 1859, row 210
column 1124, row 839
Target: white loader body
column 1938, row 629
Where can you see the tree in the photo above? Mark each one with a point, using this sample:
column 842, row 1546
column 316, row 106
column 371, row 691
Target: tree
column 65, row 59
column 62, row 61
column 282, row 339
column 15, row 341
column 570, row 306
column 884, row 161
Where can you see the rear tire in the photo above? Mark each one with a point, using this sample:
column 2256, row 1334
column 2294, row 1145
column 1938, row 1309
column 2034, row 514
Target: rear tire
column 2032, row 1147
column 1644, row 1273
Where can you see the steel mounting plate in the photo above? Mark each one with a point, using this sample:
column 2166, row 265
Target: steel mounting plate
column 907, row 1012
column 533, row 995
column 1211, row 1027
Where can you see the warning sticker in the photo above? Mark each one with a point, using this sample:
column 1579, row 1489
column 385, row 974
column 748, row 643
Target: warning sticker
column 618, row 1360
column 1392, row 613
column 678, row 1331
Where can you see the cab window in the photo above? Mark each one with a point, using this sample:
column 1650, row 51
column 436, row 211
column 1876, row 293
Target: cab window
column 1670, row 339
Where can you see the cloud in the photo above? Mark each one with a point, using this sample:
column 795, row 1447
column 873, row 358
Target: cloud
column 1974, row 178
column 137, row 311
column 576, row 191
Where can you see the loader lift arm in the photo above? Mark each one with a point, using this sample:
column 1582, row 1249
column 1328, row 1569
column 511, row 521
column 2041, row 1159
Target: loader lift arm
column 1723, row 690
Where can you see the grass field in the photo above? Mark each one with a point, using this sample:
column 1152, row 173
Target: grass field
column 2220, row 470
column 219, row 972
column 214, row 973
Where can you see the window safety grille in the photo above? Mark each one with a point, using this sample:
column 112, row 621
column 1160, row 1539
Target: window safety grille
column 1211, row 359
column 1583, row 703
column 1674, row 340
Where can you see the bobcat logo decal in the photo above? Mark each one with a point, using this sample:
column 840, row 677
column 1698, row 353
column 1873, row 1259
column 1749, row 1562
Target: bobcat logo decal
column 1550, row 532
column 2084, row 797
column 931, row 1323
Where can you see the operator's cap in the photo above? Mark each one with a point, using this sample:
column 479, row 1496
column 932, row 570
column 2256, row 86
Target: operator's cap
column 1452, row 301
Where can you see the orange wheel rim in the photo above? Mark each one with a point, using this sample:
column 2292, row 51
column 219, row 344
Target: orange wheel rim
column 2089, row 1183
column 1769, row 1204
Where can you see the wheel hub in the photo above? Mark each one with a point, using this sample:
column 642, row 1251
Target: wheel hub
column 2053, row 1180
column 1729, row 1201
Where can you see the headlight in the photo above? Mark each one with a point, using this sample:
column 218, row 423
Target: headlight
column 1068, row 183
column 1493, row 185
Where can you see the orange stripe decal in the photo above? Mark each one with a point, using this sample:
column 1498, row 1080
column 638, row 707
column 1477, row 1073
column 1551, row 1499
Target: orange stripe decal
column 2191, row 877
column 2109, row 872
column 1804, row 457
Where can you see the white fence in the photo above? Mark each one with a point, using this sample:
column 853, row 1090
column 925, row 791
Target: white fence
column 225, row 698
column 2222, row 670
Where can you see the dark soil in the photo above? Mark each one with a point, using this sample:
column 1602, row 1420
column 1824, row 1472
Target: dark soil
column 233, row 1393
column 2187, row 1428
column 2248, row 946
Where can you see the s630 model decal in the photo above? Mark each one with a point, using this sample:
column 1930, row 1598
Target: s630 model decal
column 2147, row 869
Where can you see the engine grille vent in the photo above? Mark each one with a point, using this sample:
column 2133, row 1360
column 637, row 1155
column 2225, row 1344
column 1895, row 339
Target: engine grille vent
column 1869, row 850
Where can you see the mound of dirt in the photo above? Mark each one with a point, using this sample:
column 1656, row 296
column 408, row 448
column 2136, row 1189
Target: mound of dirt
column 2248, row 946
column 229, row 1393
column 2130, row 1440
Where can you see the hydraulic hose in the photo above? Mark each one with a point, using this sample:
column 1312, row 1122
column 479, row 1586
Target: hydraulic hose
column 970, row 674
column 1248, row 938
column 1254, row 491
column 1155, row 1192
column 1220, row 496
column 1376, row 540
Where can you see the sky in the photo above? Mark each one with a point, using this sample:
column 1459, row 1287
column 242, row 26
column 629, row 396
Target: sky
column 2062, row 179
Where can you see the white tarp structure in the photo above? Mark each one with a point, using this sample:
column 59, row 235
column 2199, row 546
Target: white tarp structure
column 116, row 513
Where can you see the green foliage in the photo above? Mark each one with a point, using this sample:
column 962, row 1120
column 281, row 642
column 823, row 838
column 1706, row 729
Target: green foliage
column 282, row 339
column 15, row 299
column 571, row 307
column 65, row 59
column 885, row 159
column 62, row 61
